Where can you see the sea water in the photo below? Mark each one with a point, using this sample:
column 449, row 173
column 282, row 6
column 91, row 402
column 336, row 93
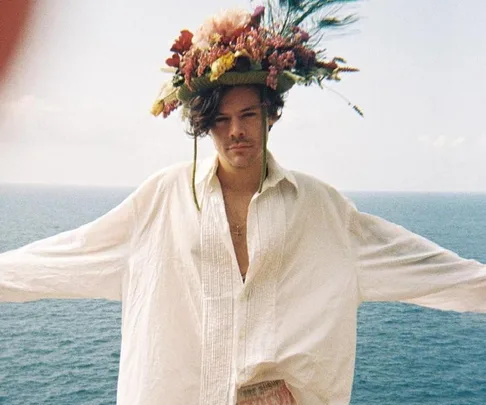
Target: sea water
column 66, row 352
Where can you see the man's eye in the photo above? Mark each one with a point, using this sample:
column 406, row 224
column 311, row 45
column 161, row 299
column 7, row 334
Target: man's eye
column 219, row 120
column 249, row 114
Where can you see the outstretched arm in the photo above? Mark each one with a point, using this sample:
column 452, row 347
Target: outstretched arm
column 395, row 264
column 87, row 262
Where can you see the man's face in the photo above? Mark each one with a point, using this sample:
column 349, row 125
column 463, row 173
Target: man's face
column 237, row 128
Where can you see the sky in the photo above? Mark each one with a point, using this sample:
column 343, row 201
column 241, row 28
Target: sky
column 75, row 107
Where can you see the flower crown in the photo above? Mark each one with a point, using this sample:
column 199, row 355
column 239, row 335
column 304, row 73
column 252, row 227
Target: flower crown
column 236, row 47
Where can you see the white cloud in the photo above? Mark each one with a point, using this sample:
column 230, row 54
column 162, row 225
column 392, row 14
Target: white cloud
column 442, row 141
column 439, row 142
column 458, row 141
column 26, row 105
column 32, row 119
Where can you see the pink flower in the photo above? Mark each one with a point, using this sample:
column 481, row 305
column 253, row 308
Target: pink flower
column 300, row 34
column 272, row 80
column 169, row 107
column 257, row 16
column 225, row 25
column 304, row 36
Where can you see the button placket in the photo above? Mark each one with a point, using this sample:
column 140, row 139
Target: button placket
column 244, row 296
column 217, row 379
column 267, row 246
column 241, row 343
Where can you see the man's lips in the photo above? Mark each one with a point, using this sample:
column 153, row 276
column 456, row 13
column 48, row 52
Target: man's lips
column 239, row 146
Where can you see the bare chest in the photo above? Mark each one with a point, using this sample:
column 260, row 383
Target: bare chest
column 236, row 212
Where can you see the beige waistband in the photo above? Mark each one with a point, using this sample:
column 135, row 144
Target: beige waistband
column 275, row 390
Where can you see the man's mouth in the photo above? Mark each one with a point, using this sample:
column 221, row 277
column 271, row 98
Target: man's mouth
column 240, row 146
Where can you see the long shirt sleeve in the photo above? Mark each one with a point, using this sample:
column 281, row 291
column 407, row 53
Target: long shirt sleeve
column 395, row 264
column 87, row 262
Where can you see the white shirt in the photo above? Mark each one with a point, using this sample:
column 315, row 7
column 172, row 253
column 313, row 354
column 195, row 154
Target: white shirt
column 193, row 332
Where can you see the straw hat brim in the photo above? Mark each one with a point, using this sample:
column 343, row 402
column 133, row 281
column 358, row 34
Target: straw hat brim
column 285, row 81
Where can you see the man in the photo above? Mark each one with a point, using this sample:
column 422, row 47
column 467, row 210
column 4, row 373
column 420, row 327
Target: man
column 240, row 280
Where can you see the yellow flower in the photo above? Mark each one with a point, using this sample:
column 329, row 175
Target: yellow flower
column 166, row 94
column 222, row 65
column 157, row 107
column 215, row 38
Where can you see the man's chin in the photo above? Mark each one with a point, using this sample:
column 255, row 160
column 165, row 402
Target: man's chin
column 241, row 160
column 240, row 163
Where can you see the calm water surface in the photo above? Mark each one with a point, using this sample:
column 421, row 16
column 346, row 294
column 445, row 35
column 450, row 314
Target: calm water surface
column 67, row 352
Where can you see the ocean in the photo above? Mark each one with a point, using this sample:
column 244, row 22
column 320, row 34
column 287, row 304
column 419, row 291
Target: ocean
column 66, row 352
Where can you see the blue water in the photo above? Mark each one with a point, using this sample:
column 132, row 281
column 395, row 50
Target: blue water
column 66, row 352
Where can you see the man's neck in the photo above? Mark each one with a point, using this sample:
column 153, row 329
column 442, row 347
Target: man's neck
column 239, row 180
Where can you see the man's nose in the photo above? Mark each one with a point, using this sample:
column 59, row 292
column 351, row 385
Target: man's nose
column 236, row 128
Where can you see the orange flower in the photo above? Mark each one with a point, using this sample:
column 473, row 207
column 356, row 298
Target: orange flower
column 331, row 66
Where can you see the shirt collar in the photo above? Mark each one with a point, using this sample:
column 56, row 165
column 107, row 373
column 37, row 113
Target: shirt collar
column 206, row 172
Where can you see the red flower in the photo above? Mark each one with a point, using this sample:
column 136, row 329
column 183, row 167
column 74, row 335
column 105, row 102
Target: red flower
column 174, row 61
column 183, row 43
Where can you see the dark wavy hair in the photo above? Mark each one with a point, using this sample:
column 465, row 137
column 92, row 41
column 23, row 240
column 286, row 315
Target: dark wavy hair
column 201, row 111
